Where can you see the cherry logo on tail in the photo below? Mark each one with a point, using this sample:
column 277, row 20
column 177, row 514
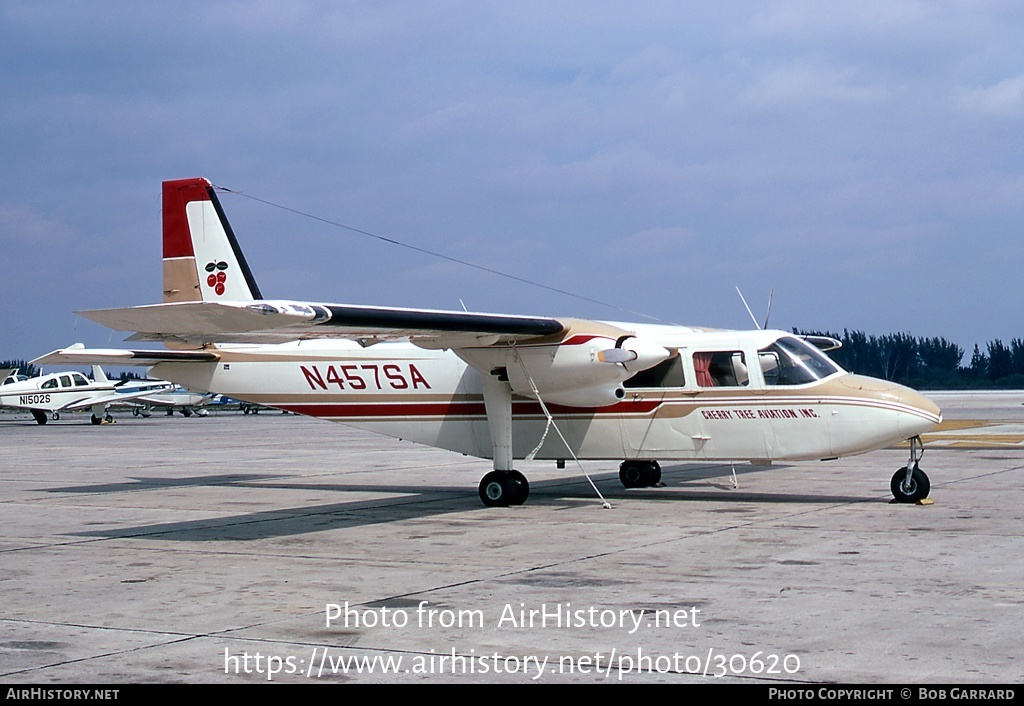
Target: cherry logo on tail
column 217, row 276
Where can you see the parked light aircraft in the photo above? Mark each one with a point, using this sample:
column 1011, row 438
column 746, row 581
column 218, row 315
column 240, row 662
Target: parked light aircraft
column 48, row 395
column 175, row 397
column 492, row 385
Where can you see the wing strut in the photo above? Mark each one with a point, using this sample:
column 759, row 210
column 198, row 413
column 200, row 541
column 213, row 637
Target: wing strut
column 551, row 423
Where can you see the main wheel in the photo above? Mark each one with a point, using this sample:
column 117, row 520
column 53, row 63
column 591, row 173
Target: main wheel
column 518, row 488
column 917, row 489
column 492, row 489
column 631, row 474
column 39, row 416
column 96, row 420
column 504, row 488
column 655, row 472
column 639, row 474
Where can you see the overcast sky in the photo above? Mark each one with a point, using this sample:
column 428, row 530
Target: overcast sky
column 865, row 159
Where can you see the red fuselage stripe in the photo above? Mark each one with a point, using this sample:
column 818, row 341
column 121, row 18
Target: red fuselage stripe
column 442, row 409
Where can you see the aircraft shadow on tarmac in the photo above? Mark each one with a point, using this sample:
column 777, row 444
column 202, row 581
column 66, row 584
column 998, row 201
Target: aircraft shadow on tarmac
column 684, row 484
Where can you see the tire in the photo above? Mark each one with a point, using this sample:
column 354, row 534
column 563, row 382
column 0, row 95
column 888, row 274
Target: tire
column 493, row 489
column 39, row 416
column 504, row 488
column 918, row 488
column 655, row 473
column 631, row 474
column 639, row 474
column 96, row 420
column 518, row 488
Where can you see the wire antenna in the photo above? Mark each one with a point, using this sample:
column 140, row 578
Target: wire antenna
column 433, row 253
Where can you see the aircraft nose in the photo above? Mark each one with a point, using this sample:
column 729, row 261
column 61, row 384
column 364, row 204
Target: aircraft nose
column 922, row 415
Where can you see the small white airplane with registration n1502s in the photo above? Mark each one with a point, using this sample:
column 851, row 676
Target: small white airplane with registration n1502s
column 46, row 396
column 493, row 386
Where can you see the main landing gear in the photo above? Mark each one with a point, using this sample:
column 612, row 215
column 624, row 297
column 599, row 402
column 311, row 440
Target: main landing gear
column 639, row 474
column 504, row 488
column 911, row 484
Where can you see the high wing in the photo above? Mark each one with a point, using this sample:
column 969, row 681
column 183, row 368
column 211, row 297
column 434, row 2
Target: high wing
column 263, row 321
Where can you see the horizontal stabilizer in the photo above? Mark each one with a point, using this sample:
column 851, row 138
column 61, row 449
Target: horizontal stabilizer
column 77, row 355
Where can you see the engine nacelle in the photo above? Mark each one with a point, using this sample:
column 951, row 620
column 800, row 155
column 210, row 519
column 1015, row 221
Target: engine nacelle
column 582, row 371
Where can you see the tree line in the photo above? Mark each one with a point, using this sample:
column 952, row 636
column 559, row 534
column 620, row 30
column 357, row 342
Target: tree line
column 928, row 363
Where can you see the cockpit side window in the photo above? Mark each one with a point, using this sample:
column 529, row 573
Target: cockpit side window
column 49, row 384
column 721, row 369
column 790, row 361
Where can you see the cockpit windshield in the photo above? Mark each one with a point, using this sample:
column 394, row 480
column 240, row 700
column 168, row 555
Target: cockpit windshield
column 791, row 361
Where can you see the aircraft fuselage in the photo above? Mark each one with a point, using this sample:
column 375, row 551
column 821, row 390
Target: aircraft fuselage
column 435, row 398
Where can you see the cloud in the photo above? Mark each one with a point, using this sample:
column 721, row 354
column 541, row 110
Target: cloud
column 654, row 241
column 802, row 84
column 1001, row 100
column 21, row 225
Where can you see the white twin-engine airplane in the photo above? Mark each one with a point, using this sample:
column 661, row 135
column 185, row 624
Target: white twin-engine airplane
column 493, row 386
column 47, row 396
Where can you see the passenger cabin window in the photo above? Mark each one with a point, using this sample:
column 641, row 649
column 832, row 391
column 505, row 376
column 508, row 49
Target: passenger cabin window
column 79, row 379
column 790, row 361
column 721, row 369
column 668, row 373
column 65, row 381
column 49, row 384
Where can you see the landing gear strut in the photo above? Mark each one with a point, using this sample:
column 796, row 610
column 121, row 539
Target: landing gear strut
column 639, row 474
column 504, row 488
column 911, row 484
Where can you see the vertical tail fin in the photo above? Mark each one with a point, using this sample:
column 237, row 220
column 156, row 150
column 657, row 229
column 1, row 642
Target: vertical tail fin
column 202, row 260
column 98, row 375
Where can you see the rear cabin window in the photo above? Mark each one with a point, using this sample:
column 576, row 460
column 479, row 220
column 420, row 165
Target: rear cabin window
column 721, row 369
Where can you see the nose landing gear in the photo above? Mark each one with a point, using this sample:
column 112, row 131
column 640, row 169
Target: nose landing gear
column 911, row 484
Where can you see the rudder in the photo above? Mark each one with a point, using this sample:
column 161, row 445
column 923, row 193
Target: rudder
column 201, row 257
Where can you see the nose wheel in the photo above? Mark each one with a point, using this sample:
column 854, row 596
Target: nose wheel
column 911, row 484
